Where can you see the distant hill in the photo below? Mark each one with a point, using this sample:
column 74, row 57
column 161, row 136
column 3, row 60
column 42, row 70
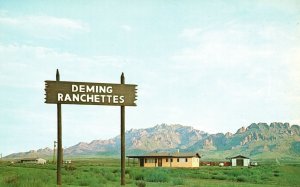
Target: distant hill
column 259, row 140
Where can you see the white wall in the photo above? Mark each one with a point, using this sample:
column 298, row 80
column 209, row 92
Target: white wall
column 233, row 162
column 41, row 161
column 246, row 162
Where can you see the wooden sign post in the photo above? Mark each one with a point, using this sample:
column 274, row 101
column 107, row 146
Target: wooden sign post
column 122, row 138
column 59, row 138
column 87, row 93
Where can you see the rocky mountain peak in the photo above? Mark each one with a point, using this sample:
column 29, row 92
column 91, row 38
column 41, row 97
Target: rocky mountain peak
column 253, row 140
column 280, row 125
column 241, row 130
column 228, row 134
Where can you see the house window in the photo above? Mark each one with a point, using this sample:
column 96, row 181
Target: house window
column 186, row 160
column 171, row 159
column 181, row 159
column 167, row 160
column 150, row 160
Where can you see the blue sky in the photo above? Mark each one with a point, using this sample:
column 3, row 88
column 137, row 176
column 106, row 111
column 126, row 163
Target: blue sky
column 213, row 65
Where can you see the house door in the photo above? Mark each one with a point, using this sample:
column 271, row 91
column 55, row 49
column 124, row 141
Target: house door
column 141, row 162
column 159, row 162
column 239, row 162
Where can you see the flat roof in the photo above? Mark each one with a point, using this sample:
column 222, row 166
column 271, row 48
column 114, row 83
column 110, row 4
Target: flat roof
column 166, row 155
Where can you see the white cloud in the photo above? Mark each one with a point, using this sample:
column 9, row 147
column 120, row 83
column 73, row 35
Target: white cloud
column 34, row 63
column 42, row 26
column 23, row 71
column 8, row 21
column 234, row 45
column 126, row 28
column 190, row 34
column 44, row 21
column 244, row 65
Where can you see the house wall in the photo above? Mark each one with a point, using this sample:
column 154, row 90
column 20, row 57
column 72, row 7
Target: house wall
column 195, row 162
column 246, row 162
column 41, row 161
column 29, row 161
column 191, row 162
column 233, row 162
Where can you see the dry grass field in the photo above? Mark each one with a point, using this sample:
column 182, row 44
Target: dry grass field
column 96, row 172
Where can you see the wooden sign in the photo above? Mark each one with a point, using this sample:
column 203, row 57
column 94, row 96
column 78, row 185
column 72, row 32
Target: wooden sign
column 87, row 93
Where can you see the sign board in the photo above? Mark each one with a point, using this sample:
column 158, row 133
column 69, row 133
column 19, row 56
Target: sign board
column 87, row 93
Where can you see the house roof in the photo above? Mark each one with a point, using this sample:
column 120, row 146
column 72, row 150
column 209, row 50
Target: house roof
column 239, row 156
column 167, row 155
column 28, row 159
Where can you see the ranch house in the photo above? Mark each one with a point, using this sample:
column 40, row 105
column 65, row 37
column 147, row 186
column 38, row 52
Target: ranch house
column 33, row 160
column 168, row 160
column 240, row 161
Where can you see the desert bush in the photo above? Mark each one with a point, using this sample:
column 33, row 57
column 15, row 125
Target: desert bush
column 137, row 175
column 264, row 177
column 276, row 174
column 140, row 183
column 204, row 176
column 178, row 181
column 11, row 179
column 88, row 181
column 32, row 183
column 110, row 176
column 70, row 168
column 241, row 178
column 219, row 177
column 69, row 179
column 157, row 176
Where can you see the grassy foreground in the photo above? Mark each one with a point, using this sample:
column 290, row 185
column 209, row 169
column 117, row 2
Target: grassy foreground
column 106, row 172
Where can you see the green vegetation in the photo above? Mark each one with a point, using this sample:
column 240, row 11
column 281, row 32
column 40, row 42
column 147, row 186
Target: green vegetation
column 97, row 172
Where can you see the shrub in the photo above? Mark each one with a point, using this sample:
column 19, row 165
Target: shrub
column 219, row 177
column 137, row 175
column 156, row 177
column 178, row 181
column 70, row 168
column 127, row 171
column 204, row 176
column 276, row 174
column 110, row 176
column 117, row 171
column 12, row 179
column 241, row 178
column 88, row 182
column 69, row 179
column 140, row 183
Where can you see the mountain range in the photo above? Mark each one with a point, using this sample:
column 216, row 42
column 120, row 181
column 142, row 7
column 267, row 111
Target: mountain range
column 258, row 140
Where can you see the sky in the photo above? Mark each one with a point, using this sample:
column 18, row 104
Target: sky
column 212, row 65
